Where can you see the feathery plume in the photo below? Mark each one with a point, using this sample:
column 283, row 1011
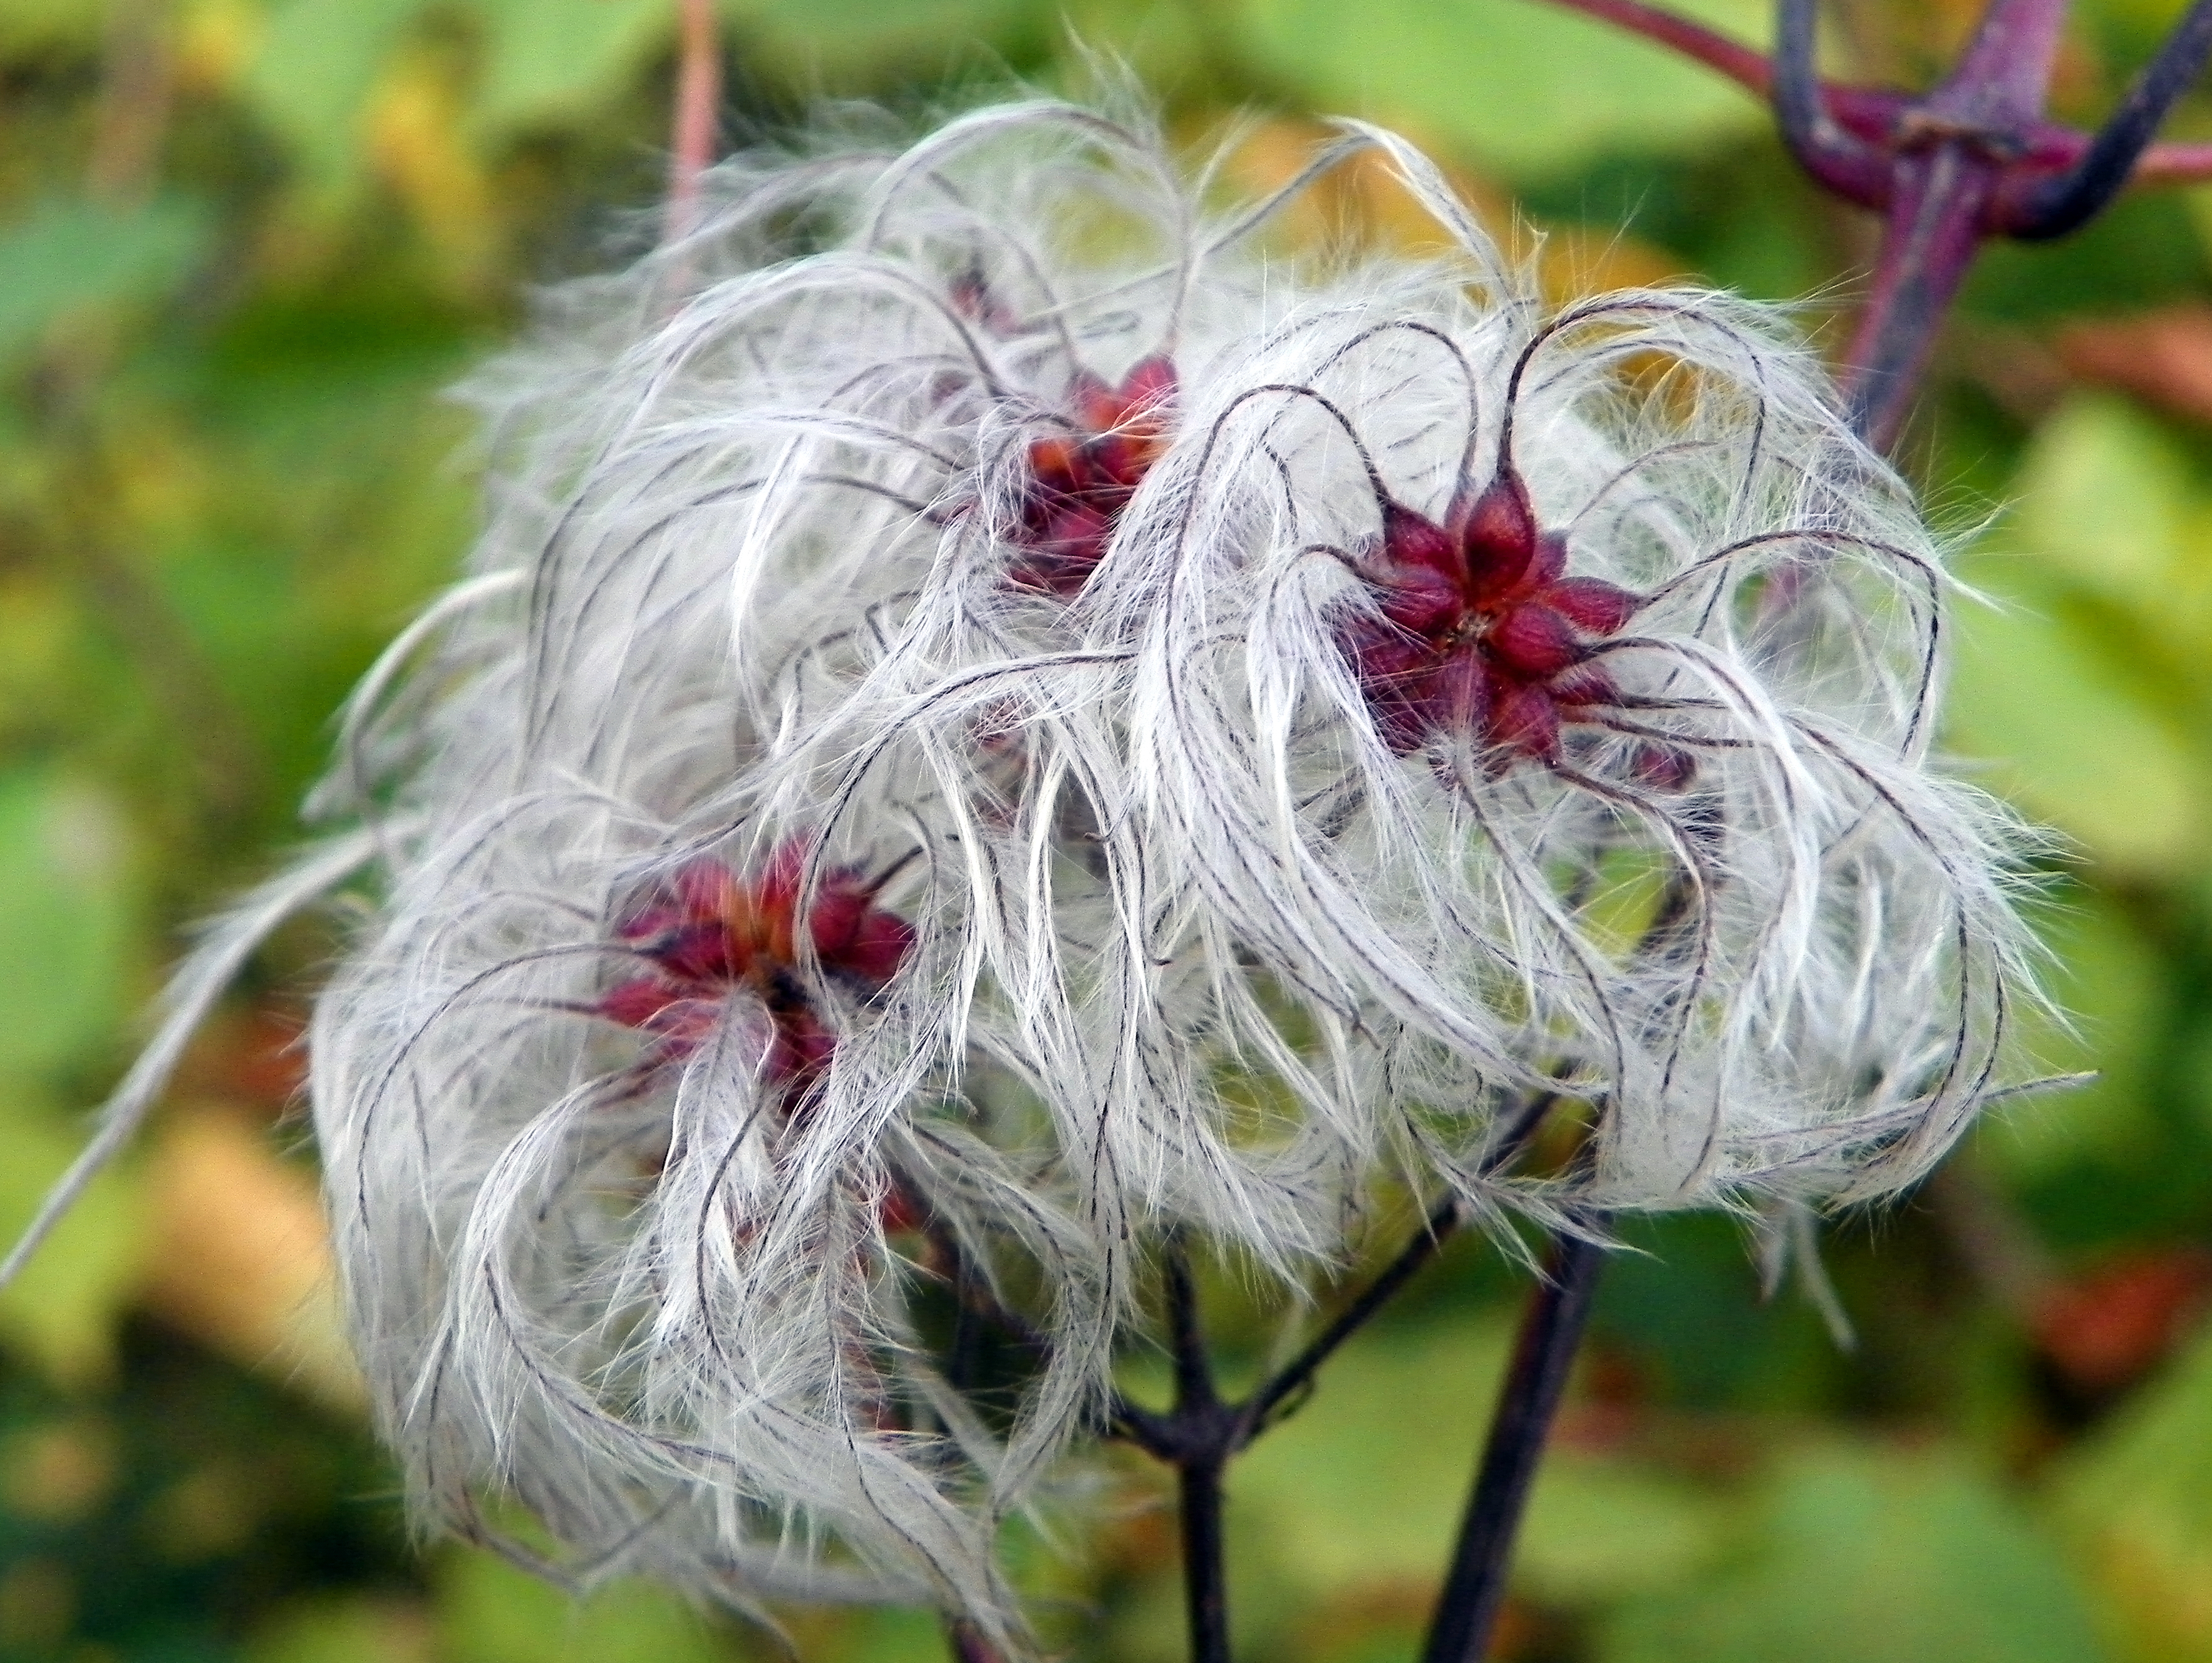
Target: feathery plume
column 1542, row 702
column 710, row 1020
column 990, row 721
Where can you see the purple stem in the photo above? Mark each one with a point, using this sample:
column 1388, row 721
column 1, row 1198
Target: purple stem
column 1840, row 159
column 1745, row 65
column 1946, row 161
column 1933, row 234
column 969, row 1645
column 2003, row 77
column 1550, row 1331
column 1975, row 159
column 1869, row 112
column 2066, row 203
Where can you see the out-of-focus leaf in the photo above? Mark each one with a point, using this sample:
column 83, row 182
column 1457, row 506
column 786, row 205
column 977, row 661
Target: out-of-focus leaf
column 2108, row 981
column 888, row 1635
column 2081, row 685
column 2134, row 26
column 70, row 253
column 1867, row 1556
column 1342, row 1496
column 241, row 1259
column 487, row 1612
column 1529, row 88
column 1164, row 43
column 1599, row 1530
column 359, row 1630
column 61, row 1309
column 2164, row 357
column 2139, row 1494
column 2115, row 1321
column 852, row 34
column 1688, row 1304
column 1402, row 1475
column 1365, row 199
column 1758, row 245
column 64, row 922
column 2074, row 739
column 215, row 44
column 27, row 25
column 41, row 634
column 311, row 79
column 549, row 59
column 2139, row 253
column 419, row 142
column 2105, row 499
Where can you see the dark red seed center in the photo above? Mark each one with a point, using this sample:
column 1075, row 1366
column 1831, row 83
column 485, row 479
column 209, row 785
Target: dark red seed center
column 711, row 933
column 1080, row 481
column 1479, row 630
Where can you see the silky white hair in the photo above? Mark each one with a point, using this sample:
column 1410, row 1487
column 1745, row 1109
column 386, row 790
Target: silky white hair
column 1185, row 941
column 1788, row 974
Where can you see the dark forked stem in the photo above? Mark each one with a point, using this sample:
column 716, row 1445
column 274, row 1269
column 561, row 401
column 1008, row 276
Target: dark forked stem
column 1839, row 159
column 1200, row 1418
column 968, row 1645
column 1952, row 156
column 2074, row 198
column 1550, row 1331
column 1974, row 158
column 1196, row 1437
column 1200, row 1434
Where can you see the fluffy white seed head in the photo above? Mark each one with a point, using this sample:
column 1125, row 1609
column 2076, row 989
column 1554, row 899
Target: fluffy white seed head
column 1542, row 701
column 992, row 719
column 637, row 1161
column 1268, row 730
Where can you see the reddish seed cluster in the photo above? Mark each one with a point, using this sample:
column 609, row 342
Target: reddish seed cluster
column 1480, row 630
column 712, row 933
column 1080, row 481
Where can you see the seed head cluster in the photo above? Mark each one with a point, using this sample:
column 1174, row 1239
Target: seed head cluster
column 999, row 713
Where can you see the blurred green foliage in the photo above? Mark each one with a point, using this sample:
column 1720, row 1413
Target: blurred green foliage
column 244, row 246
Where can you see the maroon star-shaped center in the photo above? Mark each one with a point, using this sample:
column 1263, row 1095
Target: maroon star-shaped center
column 1478, row 630
column 1080, row 481
column 711, row 933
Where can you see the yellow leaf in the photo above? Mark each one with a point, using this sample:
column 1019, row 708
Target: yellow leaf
column 240, row 1258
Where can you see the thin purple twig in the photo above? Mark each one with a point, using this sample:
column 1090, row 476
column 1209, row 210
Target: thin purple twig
column 1551, row 1332
column 2070, row 201
column 1295, row 1375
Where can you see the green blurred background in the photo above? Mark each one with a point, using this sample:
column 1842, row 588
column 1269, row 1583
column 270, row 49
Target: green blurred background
column 244, row 245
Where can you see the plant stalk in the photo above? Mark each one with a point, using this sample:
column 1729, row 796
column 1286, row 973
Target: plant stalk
column 1928, row 243
column 1550, row 1331
column 698, row 102
column 1202, row 1428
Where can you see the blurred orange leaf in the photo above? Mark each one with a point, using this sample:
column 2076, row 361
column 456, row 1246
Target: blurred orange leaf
column 241, row 1259
column 1365, row 204
column 2103, row 1328
column 2163, row 357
